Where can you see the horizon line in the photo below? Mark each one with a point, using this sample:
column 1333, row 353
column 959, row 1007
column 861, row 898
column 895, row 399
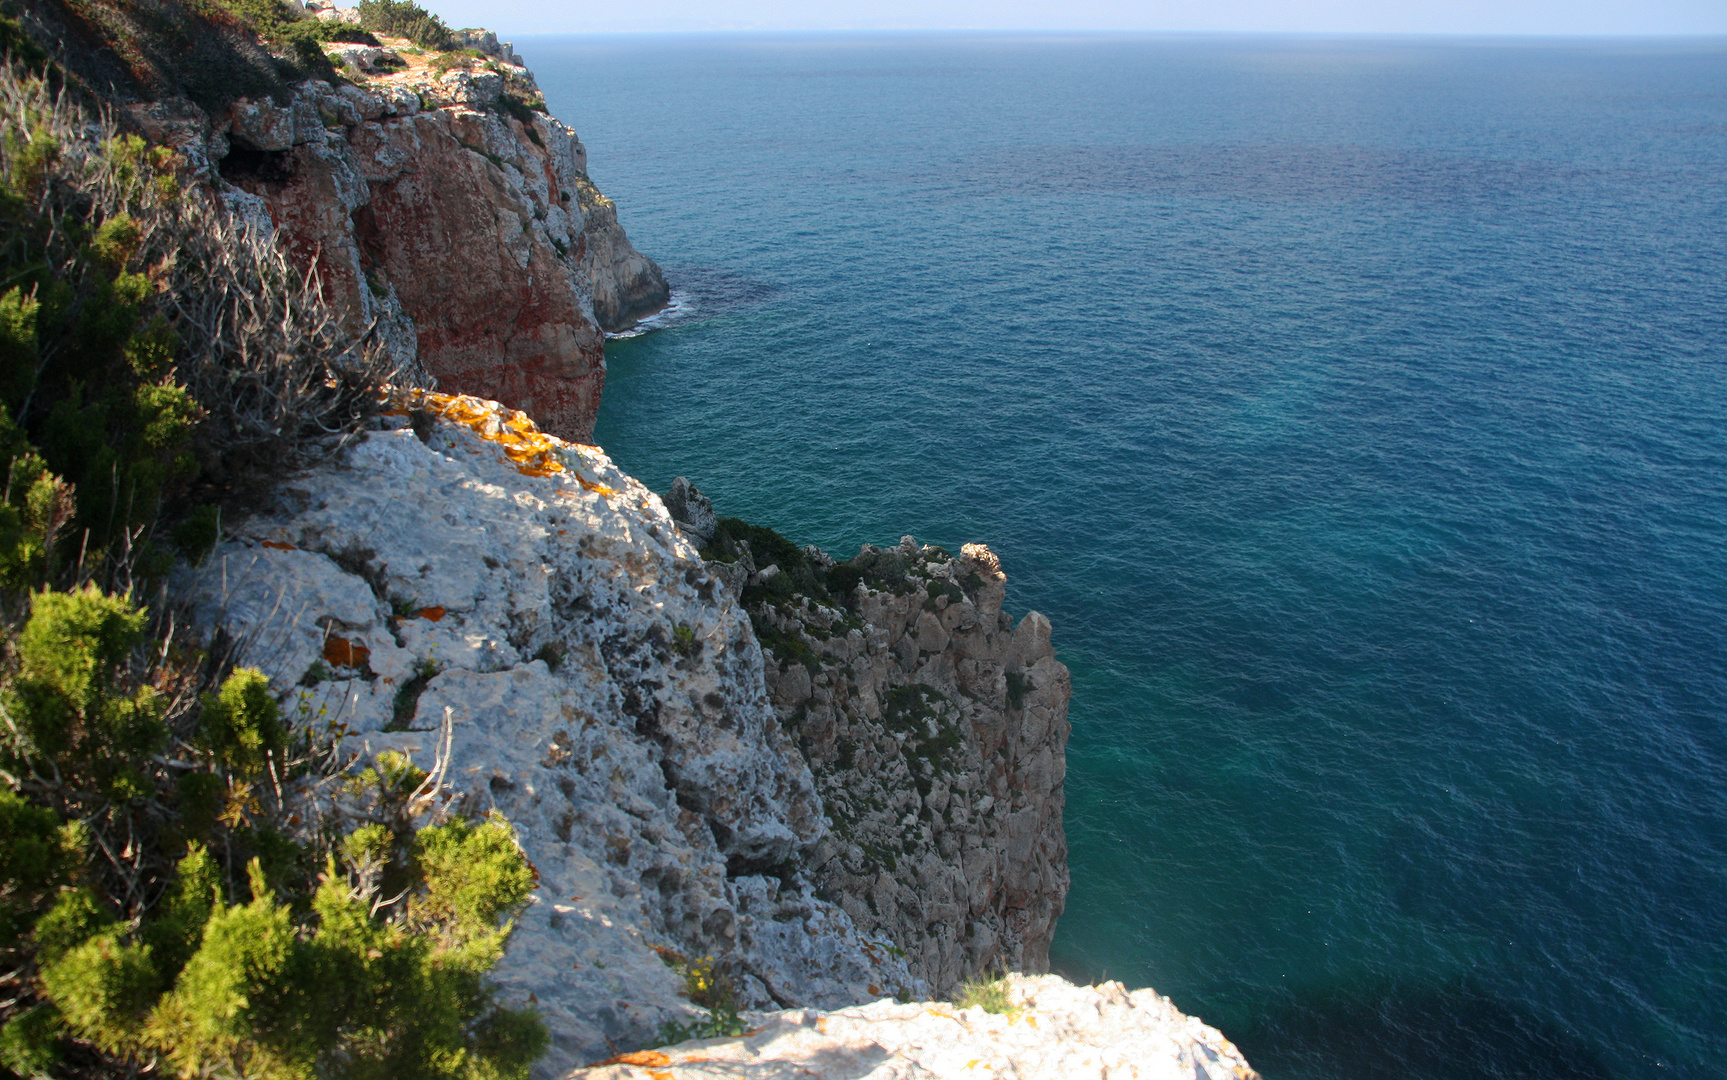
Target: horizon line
column 1462, row 35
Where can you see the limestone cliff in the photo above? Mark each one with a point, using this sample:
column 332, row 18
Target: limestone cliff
column 518, row 615
column 936, row 729
column 446, row 212
column 603, row 690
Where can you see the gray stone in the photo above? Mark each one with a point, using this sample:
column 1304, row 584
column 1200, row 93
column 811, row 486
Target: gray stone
column 651, row 786
column 692, row 510
column 1053, row 1031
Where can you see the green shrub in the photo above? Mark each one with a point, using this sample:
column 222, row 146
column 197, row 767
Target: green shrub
column 406, row 19
column 684, row 640
column 289, row 28
column 709, row 986
column 524, row 112
column 188, row 883
column 465, row 59
column 380, row 967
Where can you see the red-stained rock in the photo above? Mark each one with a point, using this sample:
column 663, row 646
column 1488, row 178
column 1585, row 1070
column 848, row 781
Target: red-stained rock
column 498, row 310
column 455, row 234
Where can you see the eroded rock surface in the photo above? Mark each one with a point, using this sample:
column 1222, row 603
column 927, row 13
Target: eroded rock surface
column 1056, row 1031
column 605, row 692
column 627, row 285
column 937, row 731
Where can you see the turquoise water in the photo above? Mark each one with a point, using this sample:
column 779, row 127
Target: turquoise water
column 1358, row 413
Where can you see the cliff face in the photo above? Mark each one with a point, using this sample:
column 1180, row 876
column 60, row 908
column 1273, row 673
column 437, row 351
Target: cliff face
column 627, row 285
column 445, row 216
column 937, row 731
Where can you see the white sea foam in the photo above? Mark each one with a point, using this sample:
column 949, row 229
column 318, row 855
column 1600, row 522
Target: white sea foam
column 680, row 306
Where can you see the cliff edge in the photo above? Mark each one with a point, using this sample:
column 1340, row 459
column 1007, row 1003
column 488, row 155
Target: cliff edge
column 445, row 211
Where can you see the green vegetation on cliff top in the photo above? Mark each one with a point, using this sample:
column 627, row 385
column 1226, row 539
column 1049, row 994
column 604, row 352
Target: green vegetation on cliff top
column 191, row 883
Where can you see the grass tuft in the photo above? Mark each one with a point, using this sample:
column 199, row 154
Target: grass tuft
column 987, row 993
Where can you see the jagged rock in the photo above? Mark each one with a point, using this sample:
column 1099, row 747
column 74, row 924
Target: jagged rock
column 459, row 228
column 692, row 510
column 485, row 41
column 363, row 57
column 605, row 693
column 1056, row 1031
column 328, row 12
column 937, row 731
column 627, row 285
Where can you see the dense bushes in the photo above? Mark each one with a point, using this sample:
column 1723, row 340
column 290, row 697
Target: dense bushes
column 288, row 27
column 191, row 884
column 404, row 18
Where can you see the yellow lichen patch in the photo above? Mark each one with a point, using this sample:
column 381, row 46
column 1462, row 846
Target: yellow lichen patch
column 596, row 488
column 530, row 450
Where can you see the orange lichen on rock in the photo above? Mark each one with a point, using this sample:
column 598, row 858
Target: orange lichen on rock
column 530, row 450
column 598, row 489
column 430, row 614
column 341, row 652
column 280, row 546
column 533, row 452
column 638, row 1057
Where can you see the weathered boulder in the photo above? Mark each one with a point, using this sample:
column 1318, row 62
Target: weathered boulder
column 692, row 510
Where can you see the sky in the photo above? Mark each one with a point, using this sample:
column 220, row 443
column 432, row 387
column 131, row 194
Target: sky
column 1520, row 17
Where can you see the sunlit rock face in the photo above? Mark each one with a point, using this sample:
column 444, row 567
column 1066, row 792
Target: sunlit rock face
column 603, row 691
column 1049, row 1029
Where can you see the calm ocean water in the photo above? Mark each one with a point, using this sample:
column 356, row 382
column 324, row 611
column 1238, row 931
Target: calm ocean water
column 1358, row 412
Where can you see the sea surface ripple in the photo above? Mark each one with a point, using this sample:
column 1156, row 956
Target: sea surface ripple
column 1357, row 411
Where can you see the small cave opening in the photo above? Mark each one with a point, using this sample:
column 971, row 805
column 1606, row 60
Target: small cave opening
column 257, row 166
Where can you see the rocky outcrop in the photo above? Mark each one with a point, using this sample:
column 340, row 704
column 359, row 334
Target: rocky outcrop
column 627, row 285
column 603, row 690
column 936, row 729
column 447, row 214
column 1051, row 1030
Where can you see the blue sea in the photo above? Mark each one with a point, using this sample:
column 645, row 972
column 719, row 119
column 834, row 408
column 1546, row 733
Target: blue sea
column 1357, row 411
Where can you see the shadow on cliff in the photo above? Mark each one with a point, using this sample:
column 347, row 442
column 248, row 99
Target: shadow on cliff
column 145, row 50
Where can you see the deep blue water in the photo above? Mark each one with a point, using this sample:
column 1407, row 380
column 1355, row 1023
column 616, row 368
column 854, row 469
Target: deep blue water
column 1357, row 410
